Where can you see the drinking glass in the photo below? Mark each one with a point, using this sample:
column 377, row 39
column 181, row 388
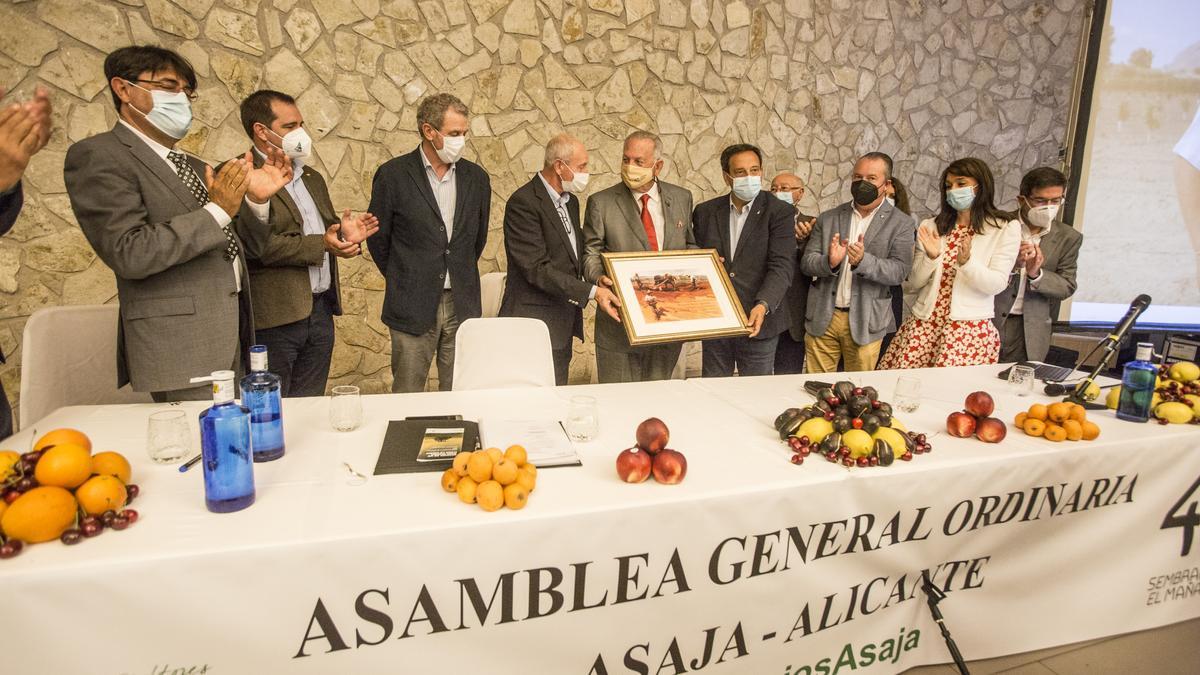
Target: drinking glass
column 1021, row 379
column 583, row 419
column 345, row 408
column 169, row 437
column 907, row 396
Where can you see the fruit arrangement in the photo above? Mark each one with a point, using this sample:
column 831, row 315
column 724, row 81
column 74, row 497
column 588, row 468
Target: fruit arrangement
column 1176, row 397
column 848, row 424
column 651, row 456
column 492, row 479
column 976, row 419
column 1057, row 422
column 60, row 490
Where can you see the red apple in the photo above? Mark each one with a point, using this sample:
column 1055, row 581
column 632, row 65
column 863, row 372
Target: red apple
column 960, row 424
column 633, row 465
column 670, row 466
column 980, row 404
column 991, row 430
column 652, row 435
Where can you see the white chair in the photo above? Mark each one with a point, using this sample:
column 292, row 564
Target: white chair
column 491, row 290
column 69, row 357
column 502, row 352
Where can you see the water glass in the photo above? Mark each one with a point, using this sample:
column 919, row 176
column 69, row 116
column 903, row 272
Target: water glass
column 583, row 419
column 169, row 436
column 907, row 396
column 345, row 408
column 1021, row 379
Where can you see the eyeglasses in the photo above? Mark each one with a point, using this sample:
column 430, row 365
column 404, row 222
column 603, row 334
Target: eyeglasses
column 171, row 86
column 786, row 188
column 1038, row 201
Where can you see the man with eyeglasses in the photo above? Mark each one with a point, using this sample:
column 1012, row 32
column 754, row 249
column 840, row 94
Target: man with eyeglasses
column 174, row 232
column 789, row 351
column 1044, row 274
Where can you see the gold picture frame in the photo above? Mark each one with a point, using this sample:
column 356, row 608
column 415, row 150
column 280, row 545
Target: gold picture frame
column 675, row 296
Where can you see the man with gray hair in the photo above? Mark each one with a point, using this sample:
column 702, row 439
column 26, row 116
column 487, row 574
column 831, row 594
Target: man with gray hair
column 545, row 251
column 641, row 213
column 433, row 209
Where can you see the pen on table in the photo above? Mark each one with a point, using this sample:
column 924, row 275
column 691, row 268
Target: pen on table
column 188, row 464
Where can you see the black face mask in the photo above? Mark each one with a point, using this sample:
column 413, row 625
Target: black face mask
column 863, row 192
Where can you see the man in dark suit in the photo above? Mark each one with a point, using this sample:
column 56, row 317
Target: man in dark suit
column 755, row 235
column 789, row 351
column 24, row 129
column 1044, row 274
column 433, row 210
column 545, row 251
column 294, row 281
column 164, row 222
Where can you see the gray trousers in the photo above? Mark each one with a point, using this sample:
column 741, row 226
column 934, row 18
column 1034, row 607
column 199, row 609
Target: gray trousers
column 643, row 364
column 412, row 355
column 1012, row 339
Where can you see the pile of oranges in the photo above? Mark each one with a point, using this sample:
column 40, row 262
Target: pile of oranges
column 60, row 490
column 491, row 478
column 1057, row 422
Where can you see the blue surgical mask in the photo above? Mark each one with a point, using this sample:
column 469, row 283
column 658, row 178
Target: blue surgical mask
column 171, row 113
column 961, row 199
column 746, row 188
column 785, row 196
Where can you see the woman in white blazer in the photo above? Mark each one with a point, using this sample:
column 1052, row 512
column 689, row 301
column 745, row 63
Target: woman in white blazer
column 962, row 260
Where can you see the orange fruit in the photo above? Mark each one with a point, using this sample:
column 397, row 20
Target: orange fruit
column 526, row 479
column 100, row 494
column 1038, row 411
column 467, row 489
column 515, row 496
column 1055, row 433
column 7, row 459
column 1091, row 431
column 1020, row 420
column 460, row 463
column 505, row 472
column 450, row 480
column 494, row 454
column 517, row 454
column 1059, row 412
column 61, row 436
column 1078, row 413
column 479, row 467
column 40, row 514
column 3, row 508
column 112, row 464
column 1034, row 427
column 1073, row 429
column 490, row 496
column 64, row 465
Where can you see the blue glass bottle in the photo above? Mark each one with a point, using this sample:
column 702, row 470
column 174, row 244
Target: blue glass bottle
column 260, row 393
column 225, row 448
column 1137, row 386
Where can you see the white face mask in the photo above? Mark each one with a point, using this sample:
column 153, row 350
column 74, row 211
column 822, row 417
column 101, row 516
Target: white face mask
column 1041, row 216
column 296, row 144
column 785, row 196
column 578, row 182
column 171, row 112
column 452, row 148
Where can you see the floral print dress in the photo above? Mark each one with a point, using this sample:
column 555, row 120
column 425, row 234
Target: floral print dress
column 939, row 341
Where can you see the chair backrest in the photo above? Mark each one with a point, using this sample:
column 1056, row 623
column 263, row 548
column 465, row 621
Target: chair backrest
column 502, row 352
column 69, row 357
column 491, row 291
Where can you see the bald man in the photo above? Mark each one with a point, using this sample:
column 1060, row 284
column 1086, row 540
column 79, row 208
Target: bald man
column 545, row 251
column 789, row 353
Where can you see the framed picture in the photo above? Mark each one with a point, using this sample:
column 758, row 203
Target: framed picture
column 674, row 296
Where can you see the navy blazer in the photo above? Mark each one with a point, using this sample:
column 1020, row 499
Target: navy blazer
column 411, row 248
column 763, row 264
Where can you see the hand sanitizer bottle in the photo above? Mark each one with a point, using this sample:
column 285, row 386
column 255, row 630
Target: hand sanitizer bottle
column 260, row 393
column 1137, row 385
column 225, row 448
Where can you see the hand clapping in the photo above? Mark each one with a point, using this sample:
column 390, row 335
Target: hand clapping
column 837, row 251
column 24, row 130
column 855, row 251
column 263, row 182
column 930, row 241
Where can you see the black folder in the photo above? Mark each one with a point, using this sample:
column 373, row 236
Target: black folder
column 404, row 439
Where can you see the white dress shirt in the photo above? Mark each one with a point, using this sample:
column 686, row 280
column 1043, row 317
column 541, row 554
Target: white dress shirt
column 261, row 211
column 560, row 202
column 858, row 227
column 445, row 193
column 737, row 221
column 656, row 210
column 1027, row 237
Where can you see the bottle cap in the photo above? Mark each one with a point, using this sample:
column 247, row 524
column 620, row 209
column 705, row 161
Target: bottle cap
column 222, row 381
column 258, row 357
column 1145, row 351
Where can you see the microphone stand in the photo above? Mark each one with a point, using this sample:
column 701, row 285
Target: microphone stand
column 1111, row 345
column 934, row 595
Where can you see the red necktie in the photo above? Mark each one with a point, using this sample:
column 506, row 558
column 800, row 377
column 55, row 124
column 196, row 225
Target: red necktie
column 648, row 223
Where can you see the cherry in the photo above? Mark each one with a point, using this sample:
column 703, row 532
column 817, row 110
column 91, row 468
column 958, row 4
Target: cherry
column 89, row 519
column 92, row 529
column 863, row 461
column 857, row 391
column 907, row 456
column 876, row 404
column 856, row 423
column 805, row 441
column 833, row 401
column 831, row 456
column 846, row 461
column 72, row 536
column 873, row 460
column 131, row 492
column 11, row 548
column 119, row 523
column 130, row 515
column 108, row 517
column 927, row 448
column 844, row 452
column 805, row 450
column 797, row 460
column 829, row 415
column 920, row 438
column 11, row 496
column 27, row 466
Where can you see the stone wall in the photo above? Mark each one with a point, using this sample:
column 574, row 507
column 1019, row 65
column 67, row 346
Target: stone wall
column 812, row 82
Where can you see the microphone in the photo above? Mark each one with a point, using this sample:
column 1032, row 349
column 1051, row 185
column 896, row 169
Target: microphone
column 1139, row 305
column 1057, row 389
column 1110, row 344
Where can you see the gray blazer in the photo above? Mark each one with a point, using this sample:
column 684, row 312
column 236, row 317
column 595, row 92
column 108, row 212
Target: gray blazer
column 888, row 256
column 179, row 304
column 613, row 223
column 1060, row 247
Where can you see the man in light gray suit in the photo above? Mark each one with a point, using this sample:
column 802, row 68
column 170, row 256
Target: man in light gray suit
column 641, row 213
column 1044, row 275
column 169, row 228
column 856, row 253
